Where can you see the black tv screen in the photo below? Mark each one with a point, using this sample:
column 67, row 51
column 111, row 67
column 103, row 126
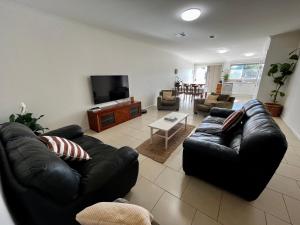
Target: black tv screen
column 109, row 88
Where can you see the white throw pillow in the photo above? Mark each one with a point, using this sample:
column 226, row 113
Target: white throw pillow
column 110, row 213
column 167, row 95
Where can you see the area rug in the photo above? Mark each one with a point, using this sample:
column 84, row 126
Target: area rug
column 157, row 151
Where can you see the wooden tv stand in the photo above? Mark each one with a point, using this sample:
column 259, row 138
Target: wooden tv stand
column 106, row 117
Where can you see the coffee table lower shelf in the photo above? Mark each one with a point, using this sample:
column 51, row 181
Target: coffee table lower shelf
column 167, row 135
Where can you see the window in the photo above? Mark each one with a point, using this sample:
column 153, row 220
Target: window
column 245, row 72
column 200, row 75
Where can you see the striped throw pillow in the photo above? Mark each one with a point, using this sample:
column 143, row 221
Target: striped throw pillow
column 233, row 120
column 64, row 148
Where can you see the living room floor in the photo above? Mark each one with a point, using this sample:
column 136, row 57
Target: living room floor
column 176, row 199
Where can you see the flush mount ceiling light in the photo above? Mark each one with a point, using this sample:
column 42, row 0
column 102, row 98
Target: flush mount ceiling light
column 249, row 54
column 190, row 14
column 222, row 51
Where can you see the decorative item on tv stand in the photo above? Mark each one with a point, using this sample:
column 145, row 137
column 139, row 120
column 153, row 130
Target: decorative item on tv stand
column 132, row 99
column 280, row 72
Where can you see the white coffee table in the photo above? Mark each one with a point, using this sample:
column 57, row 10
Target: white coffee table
column 167, row 129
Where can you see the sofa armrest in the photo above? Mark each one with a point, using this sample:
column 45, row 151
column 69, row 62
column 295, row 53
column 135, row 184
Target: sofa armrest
column 209, row 150
column 196, row 102
column 177, row 101
column 199, row 101
column 68, row 132
column 159, row 98
column 220, row 112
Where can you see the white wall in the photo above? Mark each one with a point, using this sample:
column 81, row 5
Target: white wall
column 292, row 104
column 278, row 51
column 45, row 61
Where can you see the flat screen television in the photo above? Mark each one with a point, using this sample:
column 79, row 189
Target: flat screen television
column 109, row 88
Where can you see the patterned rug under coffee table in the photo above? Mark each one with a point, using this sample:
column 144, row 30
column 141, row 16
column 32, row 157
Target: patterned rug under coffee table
column 157, row 151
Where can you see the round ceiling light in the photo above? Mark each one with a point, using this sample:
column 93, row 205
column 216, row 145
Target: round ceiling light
column 222, row 51
column 249, row 54
column 190, row 14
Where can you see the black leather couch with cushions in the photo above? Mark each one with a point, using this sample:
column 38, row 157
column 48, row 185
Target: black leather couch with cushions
column 42, row 189
column 242, row 161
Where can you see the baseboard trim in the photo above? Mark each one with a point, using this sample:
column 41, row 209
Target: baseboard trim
column 291, row 128
column 147, row 107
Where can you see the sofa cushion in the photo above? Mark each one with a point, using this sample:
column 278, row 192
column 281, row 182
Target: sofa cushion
column 235, row 142
column 106, row 163
column 210, row 102
column 168, row 102
column 12, row 131
column 35, row 166
column 206, row 137
column 213, row 119
column 65, row 148
column 203, row 108
column 211, row 128
column 224, row 98
column 251, row 103
column 256, row 109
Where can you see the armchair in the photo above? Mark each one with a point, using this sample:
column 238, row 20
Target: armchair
column 168, row 104
column 200, row 106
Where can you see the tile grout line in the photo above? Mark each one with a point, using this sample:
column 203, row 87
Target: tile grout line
column 194, row 216
column 158, row 200
column 283, row 193
column 265, row 214
column 287, row 209
column 221, row 200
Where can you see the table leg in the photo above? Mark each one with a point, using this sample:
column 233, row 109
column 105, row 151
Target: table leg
column 166, row 139
column 151, row 135
column 185, row 123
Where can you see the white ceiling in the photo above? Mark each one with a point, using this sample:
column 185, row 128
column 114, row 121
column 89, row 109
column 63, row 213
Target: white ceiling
column 239, row 25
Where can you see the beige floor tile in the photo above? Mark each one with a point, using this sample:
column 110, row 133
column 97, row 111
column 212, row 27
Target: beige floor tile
column 141, row 158
column 201, row 219
column 151, row 169
column 145, row 194
column 203, row 196
column 172, row 181
column 285, row 185
column 171, row 211
column 292, row 158
column 236, row 211
column 293, row 207
column 289, row 171
column 271, row 220
column 293, row 142
column 175, row 161
column 272, row 202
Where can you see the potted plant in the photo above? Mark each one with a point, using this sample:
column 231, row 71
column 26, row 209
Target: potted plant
column 27, row 119
column 280, row 72
column 226, row 77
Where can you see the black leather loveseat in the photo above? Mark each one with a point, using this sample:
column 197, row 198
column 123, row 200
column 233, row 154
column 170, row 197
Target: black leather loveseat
column 243, row 161
column 42, row 189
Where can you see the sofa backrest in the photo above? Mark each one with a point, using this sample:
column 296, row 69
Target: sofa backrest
column 262, row 140
column 34, row 166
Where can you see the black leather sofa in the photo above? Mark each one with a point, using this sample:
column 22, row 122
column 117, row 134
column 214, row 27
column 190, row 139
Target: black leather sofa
column 42, row 189
column 242, row 161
